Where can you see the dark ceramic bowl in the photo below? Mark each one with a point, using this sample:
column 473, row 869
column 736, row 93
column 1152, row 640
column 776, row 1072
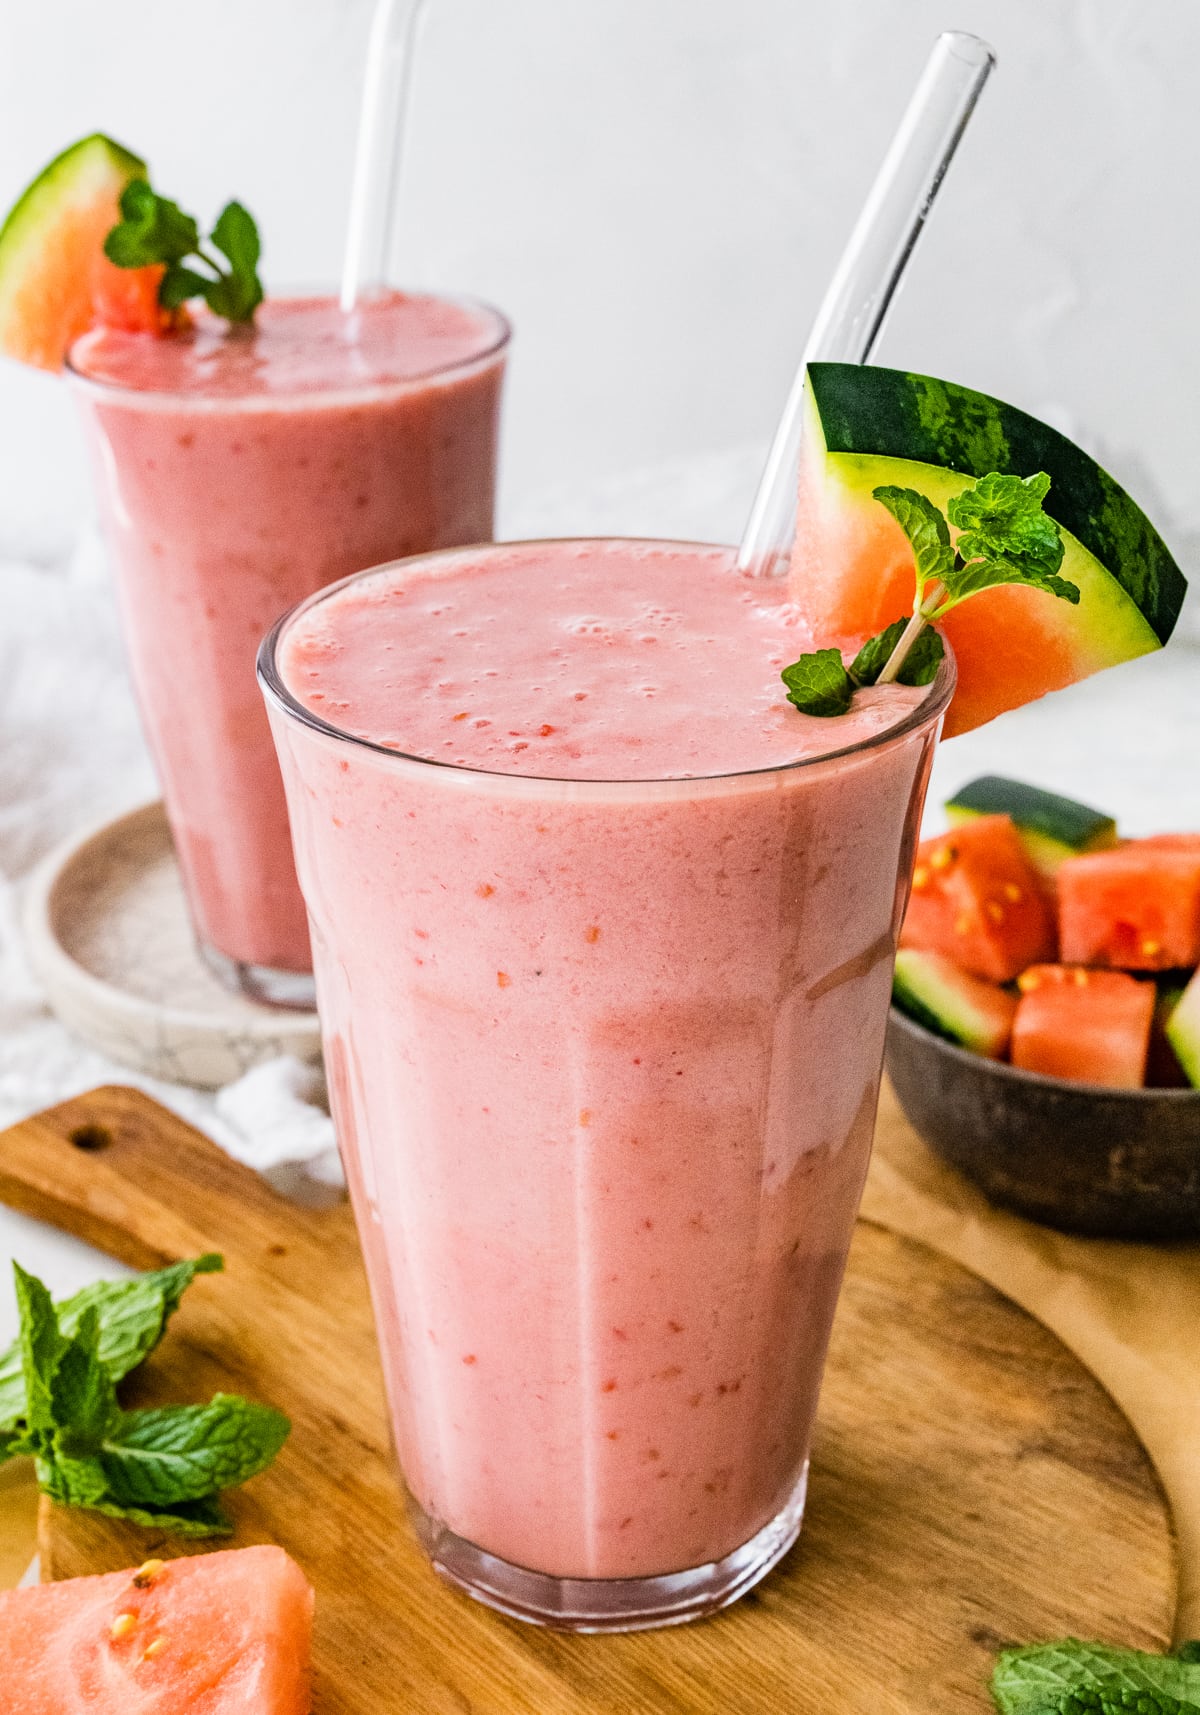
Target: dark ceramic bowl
column 1121, row 1164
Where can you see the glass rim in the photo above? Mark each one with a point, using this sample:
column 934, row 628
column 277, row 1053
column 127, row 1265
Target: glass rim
column 190, row 399
column 270, row 678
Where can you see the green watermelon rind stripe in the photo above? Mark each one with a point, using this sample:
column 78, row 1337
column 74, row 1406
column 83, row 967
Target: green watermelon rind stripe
column 929, row 1000
column 893, row 413
column 1183, row 1030
column 34, row 210
column 1064, row 821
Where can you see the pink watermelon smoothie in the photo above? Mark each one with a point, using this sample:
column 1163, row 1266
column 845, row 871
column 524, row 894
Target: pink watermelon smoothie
column 237, row 473
column 604, row 1003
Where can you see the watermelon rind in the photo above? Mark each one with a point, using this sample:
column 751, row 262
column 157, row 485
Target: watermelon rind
column 44, row 291
column 1183, row 1031
column 877, row 414
column 960, row 1008
column 1052, row 827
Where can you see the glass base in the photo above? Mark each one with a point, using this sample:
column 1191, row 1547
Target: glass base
column 610, row 1604
column 294, row 990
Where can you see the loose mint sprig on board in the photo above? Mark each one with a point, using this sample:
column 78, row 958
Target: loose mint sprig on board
column 162, row 1468
column 1005, row 537
column 1074, row 1678
column 152, row 229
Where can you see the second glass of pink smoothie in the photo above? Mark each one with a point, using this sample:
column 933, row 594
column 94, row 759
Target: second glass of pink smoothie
column 604, row 933
column 239, row 471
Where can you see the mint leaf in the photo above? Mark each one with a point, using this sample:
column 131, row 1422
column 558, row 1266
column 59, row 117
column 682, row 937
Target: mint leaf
column 239, row 293
column 1003, row 515
column 41, row 1347
column 184, row 1452
column 83, row 1396
column 153, row 229
column 987, row 574
column 189, row 1518
column 1109, row 1697
column 1027, row 1681
column 72, row 1482
column 133, row 1317
column 1005, row 537
column 920, row 664
column 926, row 530
column 818, row 684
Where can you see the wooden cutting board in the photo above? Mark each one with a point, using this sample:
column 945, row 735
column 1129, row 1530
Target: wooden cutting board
column 972, row 1485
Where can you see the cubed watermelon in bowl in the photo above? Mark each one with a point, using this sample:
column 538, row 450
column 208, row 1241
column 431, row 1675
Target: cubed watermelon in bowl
column 1084, row 1158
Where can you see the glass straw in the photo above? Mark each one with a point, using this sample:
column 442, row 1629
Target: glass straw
column 386, row 83
column 864, row 286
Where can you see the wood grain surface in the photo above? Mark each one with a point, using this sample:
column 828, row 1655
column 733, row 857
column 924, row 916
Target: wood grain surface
column 972, row 1485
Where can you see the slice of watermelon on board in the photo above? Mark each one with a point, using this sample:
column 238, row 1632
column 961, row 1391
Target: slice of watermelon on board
column 222, row 1633
column 852, row 566
column 55, row 280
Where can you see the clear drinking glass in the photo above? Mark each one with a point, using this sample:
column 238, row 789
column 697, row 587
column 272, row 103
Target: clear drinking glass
column 237, row 474
column 604, row 1059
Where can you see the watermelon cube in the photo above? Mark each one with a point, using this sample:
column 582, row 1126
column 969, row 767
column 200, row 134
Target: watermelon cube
column 977, row 899
column 1092, row 1027
column 1136, row 908
column 219, row 1633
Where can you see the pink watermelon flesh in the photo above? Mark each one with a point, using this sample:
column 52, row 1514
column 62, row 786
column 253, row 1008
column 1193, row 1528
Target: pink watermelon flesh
column 1092, row 1027
column 1136, row 908
column 210, row 1635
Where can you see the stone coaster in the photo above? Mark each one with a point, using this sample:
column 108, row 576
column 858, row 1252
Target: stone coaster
column 108, row 936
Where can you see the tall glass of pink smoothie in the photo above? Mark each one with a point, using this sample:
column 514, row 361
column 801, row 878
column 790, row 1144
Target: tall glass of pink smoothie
column 239, row 471
column 603, row 933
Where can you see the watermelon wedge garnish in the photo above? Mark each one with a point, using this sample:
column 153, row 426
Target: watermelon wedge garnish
column 221, row 1634
column 55, row 280
column 852, row 565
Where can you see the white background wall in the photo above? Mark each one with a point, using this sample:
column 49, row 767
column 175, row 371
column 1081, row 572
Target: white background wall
column 656, row 191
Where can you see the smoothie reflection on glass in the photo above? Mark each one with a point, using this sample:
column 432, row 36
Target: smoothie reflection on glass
column 239, row 470
column 603, row 933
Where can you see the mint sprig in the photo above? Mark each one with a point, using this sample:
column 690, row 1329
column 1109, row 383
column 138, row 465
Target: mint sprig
column 822, row 684
column 163, row 1467
column 1074, row 1678
column 1005, row 536
column 153, row 229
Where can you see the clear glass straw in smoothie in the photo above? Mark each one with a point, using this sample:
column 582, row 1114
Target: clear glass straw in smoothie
column 387, row 82
column 868, row 276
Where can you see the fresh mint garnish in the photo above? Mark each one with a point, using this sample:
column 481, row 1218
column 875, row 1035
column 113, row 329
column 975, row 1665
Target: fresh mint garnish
column 822, row 684
column 1005, row 536
column 163, row 1467
column 153, row 229
column 1074, row 1678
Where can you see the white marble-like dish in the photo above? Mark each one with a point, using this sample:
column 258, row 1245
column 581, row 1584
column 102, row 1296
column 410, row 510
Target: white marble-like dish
column 108, row 936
